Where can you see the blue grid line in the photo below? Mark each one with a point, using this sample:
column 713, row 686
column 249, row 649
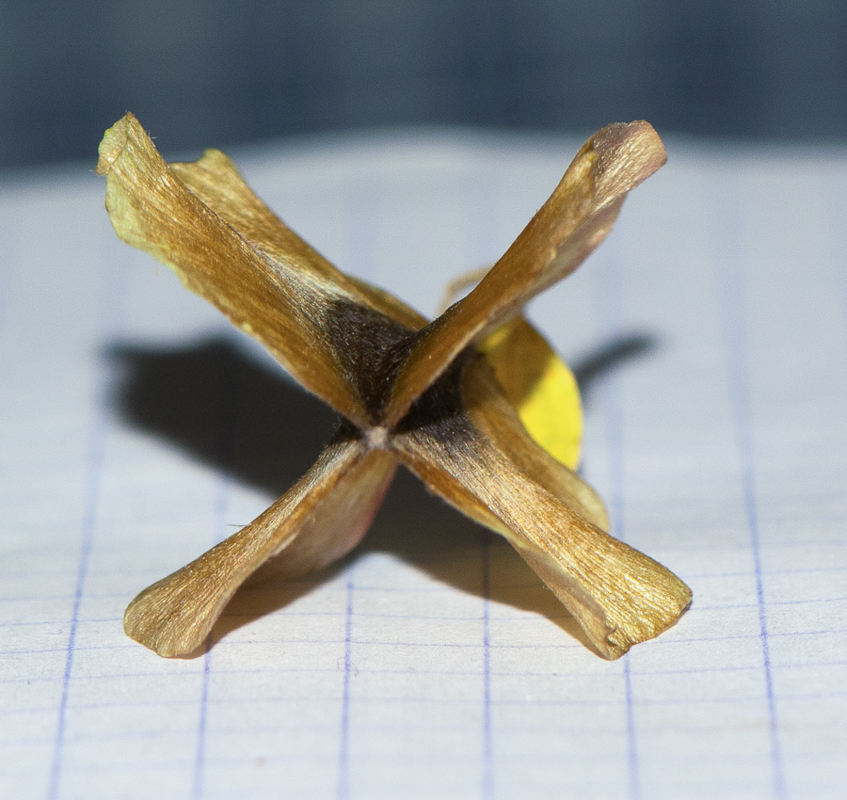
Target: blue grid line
column 333, row 697
column 482, row 193
column 673, row 639
column 802, row 570
column 34, row 652
column 343, row 791
column 131, row 704
column 670, row 638
column 823, row 632
column 111, row 308
column 97, row 439
column 227, row 418
column 609, row 305
column 314, row 670
column 487, row 744
column 332, row 585
column 361, row 206
column 469, row 702
column 698, row 670
column 634, row 771
column 444, row 759
column 505, row 702
column 433, row 701
column 736, row 354
column 200, row 751
column 409, row 591
column 809, row 602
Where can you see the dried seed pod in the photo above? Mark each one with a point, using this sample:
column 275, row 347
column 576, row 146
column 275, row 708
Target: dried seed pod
column 462, row 401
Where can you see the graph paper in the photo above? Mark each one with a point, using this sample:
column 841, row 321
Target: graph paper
column 709, row 334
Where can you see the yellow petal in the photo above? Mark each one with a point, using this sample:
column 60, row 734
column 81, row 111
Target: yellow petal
column 540, row 387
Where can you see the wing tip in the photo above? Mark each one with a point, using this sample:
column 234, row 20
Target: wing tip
column 627, row 154
column 114, row 142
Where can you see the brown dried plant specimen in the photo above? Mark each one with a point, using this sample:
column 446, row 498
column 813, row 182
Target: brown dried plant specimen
column 409, row 391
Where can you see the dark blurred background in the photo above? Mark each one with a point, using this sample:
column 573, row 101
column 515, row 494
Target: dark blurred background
column 222, row 72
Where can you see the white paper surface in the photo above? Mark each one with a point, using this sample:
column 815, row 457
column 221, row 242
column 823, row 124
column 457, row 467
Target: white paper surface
column 137, row 429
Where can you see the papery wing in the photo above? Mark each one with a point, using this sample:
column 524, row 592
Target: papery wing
column 204, row 223
column 573, row 221
column 481, row 458
column 216, row 181
column 321, row 518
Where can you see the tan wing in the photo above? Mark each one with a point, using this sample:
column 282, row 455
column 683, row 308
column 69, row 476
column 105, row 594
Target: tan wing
column 320, row 519
column 573, row 221
column 493, row 414
column 205, row 223
column 216, row 181
column 487, row 466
